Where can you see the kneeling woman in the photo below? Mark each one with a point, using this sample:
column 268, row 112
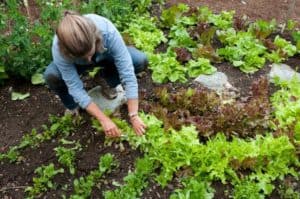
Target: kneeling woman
column 84, row 41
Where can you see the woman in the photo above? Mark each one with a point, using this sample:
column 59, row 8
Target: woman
column 81, row 42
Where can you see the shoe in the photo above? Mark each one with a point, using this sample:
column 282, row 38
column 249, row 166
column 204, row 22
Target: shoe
column 109, row 93
column 73, row 112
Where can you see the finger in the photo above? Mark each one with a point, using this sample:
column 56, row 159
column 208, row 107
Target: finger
column 139, row 131
column 108, row 133
column 116, row 132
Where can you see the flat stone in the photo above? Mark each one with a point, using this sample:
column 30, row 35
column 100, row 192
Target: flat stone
column 217, row 81
column 106, row 104
column 283, row 71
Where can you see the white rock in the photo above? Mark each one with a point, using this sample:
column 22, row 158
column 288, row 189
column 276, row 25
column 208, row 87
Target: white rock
column 283, row 71
column 105, row 104
column 217, row 81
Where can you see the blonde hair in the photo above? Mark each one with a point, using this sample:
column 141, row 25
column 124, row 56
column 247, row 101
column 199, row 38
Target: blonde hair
column 77, row 35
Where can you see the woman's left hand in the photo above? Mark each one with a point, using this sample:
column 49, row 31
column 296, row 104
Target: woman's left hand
column 138, row 125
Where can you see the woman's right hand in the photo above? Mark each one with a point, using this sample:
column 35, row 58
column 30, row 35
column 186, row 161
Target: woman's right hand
column 110, row 128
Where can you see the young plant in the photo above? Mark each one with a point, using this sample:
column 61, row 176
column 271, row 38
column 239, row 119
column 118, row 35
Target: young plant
column 262, row 29
column 166, row 68
column 242, row 49
column 194, row 187
column 144, row 33
column 135, row 182
column 286, row 104
column 66, row 156
column 83, row 186
column 201, row 66
column 43, row 182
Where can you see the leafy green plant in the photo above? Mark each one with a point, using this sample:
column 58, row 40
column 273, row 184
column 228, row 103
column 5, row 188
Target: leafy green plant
column 242, row 49
column 19, row 96
column 287, row 109
column 262, row 29
column 194, row 188
column 247, row 189
column 284, row 49
column 144, row 33
column 201, row 66
column 43, row 182
column 3, row 74
column 296, row 38
column 66, row 156
column 180, row 37
column 135, row 182
column 83, row 186
column 173, row 14
column 223, row 21
column 165, row 68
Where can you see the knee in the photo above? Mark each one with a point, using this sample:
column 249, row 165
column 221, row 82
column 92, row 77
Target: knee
column 141, row 63
column 52, row 80
column 52, row 77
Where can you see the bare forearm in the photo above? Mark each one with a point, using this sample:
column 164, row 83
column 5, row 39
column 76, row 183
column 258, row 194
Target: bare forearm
column 93, row 109
column 133, row 106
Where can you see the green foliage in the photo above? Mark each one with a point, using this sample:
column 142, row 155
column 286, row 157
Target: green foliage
column 37, row 78
column 173, row 15
column 242, row 49
column 118, row 11
column 43, row 182
column 291, row 24
column 296, row 38
column 266, row 158
column 165, row 68
column 26, row 44
column 83, row 186
column 3, row 74
column 284, row 50
column 262, row 29
column 135, row 182
column 62, row 126
column 285, row 46
column 179, row 37
column 286, row 103
column 201, row 66
column 66, row 156
column 219, row 159
column 194, row 188
column 19, row 96
column 223, row 21
column 13, row 155
column 247, row 190
column 144, row 33
column 121, row 12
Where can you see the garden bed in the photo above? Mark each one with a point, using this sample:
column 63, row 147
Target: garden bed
column 20, row 117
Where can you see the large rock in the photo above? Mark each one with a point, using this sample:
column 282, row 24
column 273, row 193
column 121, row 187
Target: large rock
column 283, row 71
column 217, row 81
column 105, row 104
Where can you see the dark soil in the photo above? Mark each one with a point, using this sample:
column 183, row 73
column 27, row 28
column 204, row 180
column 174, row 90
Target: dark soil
column 20, row 117
column 254, row 9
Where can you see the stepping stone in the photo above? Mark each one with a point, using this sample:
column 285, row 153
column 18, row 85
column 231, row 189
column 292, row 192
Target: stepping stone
column 217, row 82
column 105, row 104
column 283, row 71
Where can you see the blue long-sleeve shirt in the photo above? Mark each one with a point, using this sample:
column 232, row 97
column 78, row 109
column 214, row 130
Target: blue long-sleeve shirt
column 113, row 42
